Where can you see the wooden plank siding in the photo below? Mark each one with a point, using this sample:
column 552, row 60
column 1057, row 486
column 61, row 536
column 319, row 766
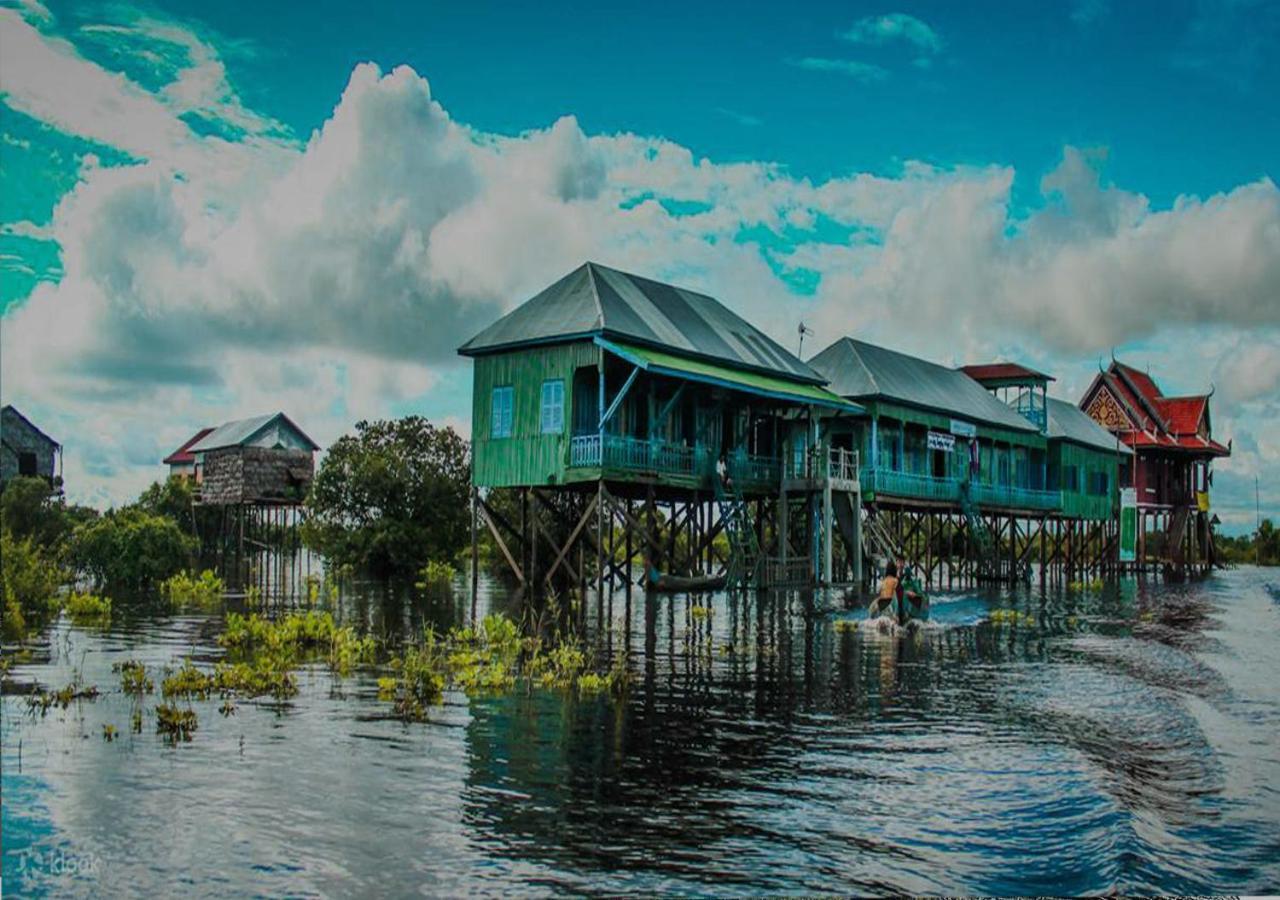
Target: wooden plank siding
column 527, row 457
column 1089, row 462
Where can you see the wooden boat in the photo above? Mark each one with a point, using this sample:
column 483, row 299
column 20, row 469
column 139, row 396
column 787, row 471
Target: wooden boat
column 662, row 582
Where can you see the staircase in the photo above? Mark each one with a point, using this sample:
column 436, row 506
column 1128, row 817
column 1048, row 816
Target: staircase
column 979, row 533
column 744, row 550
column 876, row 538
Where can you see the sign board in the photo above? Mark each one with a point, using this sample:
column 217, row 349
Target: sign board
column 963, row 429
column 940, row 441
column 1128, row 525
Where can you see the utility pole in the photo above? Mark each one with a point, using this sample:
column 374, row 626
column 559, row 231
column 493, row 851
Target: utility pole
column 1257, row 528
column 802, row 331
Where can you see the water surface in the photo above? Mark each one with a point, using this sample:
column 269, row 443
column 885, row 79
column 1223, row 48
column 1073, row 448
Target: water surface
column 1126, row 739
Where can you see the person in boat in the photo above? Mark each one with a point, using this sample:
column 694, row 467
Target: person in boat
column 887, row 598
column 911, row 603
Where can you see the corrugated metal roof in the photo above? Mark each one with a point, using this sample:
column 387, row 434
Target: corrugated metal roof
column 1068, row 422
column 750, row 382
column 242, row 431
column 13, row 411
column 863, row 371
column 597, row 300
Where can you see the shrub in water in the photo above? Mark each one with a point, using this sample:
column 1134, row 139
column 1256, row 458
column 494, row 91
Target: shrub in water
column 205, row 590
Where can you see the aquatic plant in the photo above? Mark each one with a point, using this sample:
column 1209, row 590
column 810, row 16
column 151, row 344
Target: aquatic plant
column 88, row 609
column 436, row 575
column 843, row 626
column 1012, row 617
column 261, row 677
column 294, row 636
column 205, row 590
column 133, row 677
column 174, row 723
column 227, row 708
column 108, row 732
column 43, row 700
column 419, row 681
column 187, row 681
column 699, row 613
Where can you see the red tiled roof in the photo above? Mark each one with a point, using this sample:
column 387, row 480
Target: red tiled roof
column 1001, row 371
column 1183, row 413
column 183, row 454
column 1142, row 381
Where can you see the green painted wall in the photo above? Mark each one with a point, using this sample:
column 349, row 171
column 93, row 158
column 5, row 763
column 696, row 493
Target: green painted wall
column 1088, row 462
column 527, row 457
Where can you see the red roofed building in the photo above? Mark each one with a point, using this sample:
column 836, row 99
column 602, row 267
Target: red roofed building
column 1173, row 444
column 182, row 462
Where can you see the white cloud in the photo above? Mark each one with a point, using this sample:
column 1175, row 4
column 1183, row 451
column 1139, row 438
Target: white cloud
column 861, row 71
column 333, row 279
column 894, row 27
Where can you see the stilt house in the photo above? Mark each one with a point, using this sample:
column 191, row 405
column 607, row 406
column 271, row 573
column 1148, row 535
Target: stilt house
column 262, row 460
column 933, row 435
column 25, row 450
column 608, row 375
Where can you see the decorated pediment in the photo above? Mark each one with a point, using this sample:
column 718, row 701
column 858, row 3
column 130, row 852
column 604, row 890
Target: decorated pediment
column 1106, row 410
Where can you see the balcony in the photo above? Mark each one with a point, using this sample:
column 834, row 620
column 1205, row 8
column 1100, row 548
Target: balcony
column 891, row 483
column 662, row 458
column 1010, row 497
column 905, row 484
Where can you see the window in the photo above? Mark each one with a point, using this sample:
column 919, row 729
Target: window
column 553, row 406
column 501, row 414
column 27, row 463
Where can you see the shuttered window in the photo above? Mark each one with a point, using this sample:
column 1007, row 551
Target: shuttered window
column 502, row 413
column 553, row 406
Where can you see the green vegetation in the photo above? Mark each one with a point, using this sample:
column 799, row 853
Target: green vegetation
column 391, row 498
column 1261, row 548
column 184, row 587
column 133, row 677
column 491, row 658
column 42, row 701
column 88, row 609
column 436, row 576
column 131, row 548
column 174, row 723
column 29, row 581
column 1012, row 618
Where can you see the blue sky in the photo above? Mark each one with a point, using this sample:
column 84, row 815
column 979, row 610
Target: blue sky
column 236, row 187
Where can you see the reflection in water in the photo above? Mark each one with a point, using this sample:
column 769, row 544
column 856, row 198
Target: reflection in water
column 1119, row 740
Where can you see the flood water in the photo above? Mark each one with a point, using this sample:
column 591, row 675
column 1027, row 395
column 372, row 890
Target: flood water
column 1127, row 740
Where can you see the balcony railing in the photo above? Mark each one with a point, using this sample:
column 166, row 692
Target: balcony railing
column 947, row 490
column 835, row 462
column 664, row 458
column 1013, row 497
column 906, row 484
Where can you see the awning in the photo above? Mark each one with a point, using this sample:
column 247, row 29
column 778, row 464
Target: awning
column 673, row 366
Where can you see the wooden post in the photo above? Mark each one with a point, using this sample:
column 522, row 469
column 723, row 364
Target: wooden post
column 475, row 558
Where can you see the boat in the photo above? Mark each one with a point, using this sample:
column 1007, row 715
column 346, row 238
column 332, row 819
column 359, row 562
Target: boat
column 663, row 582
column 911, row 607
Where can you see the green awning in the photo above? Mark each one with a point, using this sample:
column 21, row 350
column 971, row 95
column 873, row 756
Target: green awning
column 669, row 364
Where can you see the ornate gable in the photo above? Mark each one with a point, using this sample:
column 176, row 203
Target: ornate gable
column 1107, row 411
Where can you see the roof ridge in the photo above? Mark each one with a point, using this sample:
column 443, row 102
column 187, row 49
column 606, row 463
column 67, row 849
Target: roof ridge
column 858, row 356
column 591, row 267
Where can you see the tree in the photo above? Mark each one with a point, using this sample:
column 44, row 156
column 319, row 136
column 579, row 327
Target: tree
column 391, row 497
column 30, row 508
column 131, row 548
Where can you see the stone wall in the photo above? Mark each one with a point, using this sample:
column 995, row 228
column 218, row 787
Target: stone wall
column 18, row 438
column 250, row 474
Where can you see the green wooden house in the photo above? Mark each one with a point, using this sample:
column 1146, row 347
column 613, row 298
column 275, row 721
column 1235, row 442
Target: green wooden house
column 933, row 435
column 1084, row 463
column 608, row 375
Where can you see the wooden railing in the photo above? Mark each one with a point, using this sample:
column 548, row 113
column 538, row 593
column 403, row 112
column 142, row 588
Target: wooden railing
column 665, row 458
column 835, row 462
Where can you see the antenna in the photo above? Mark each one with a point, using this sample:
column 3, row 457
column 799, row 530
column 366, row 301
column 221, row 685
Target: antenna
column 802, row 330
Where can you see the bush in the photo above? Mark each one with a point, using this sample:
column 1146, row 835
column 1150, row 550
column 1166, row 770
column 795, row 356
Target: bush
column 30, row 580
column 130, row 548
column 185, row 587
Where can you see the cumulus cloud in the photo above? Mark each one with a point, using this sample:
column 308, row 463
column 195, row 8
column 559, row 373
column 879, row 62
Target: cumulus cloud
column 333, row 277
column 892, row 28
